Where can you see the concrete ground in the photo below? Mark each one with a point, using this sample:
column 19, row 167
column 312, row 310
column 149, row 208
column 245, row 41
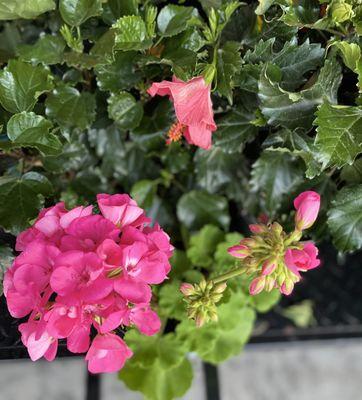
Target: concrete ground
column 329, row 370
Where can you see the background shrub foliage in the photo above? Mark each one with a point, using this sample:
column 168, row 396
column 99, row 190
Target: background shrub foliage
column 76, row 120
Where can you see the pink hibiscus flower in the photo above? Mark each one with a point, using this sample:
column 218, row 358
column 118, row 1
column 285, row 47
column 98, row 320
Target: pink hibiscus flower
column 193, row 108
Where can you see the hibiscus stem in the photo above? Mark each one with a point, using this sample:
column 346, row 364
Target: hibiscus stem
column 228, row 275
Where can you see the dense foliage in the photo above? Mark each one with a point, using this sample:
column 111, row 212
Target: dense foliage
column 77, row 120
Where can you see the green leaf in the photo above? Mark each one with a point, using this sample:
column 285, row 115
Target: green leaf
column 295, row 109
column 21, row 198
column 223, row 260
column 170, row 301
column 217, row 341
column 339, row 138
column 219, row 172
column 125, row 110
column 173, row 19
column 75, row 12
column 144, row 192
column 352, row 173
column 345, row 219
column 131, row 34
column 203, row 245
column 300, row 314
column 47, row 50
column 158, row 368
column 70, row 108
column 6, row 259
column 274, row 175
column 234, row 130
column 293, row 60
column 29, row 9
column 120, row 74
column 228, row 64
column 30, row 130
column 21, row 84
column 197, row 208
column 264, row 301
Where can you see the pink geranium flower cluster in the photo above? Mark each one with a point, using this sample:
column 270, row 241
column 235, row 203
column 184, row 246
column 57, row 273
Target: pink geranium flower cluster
column 81, row 274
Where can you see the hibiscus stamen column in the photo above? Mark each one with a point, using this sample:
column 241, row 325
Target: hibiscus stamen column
column 270, row 259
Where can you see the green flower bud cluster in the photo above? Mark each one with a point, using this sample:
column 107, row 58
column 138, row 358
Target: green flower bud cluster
column 201, row 300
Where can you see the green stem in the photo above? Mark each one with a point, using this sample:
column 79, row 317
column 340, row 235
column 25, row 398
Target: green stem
column 228, row 275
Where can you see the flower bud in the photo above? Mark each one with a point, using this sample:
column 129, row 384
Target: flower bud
column 269, row 266
column 239, row 251
column 257, row 285
column 257, row 228
column 219, row 288
column 307, row 205
column 269, row 283
column 187, row 289
column 287, row 287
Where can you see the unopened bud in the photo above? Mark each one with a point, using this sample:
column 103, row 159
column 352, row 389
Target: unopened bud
column 219, row 288
column 258, row 228
column 269, row 283
column 187, row 289
column 257, row 285
column 277, row 228
column 287, row 287
column 269, row 266
column 239, row 251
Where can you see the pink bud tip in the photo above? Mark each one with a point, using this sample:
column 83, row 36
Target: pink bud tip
column 256, row 228
column 307, row 205
column 187, row 289
column 287, row 288
column 239, row 251
column 257, row 285
column 268, row 267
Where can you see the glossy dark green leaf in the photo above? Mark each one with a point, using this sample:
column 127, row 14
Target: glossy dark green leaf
column 21, row 84
column 125, row 110
column 28, row 9
column 47, row 50
column 345, row 219
column 30, row 130
column 172, row 19
column 70, row 108
column 198, row 208
column 21, row 198
column 75, row 12
column 339, row 134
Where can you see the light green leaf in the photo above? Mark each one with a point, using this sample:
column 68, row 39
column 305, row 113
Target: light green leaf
column 125, row 110
column 131, row 33
column 47, row 50
column 30, row 130
column 345, row 219
column 217, row 341
column 21, row 198
column 197, row 208
column 203, row 245
column 264, row 301
column 274, row 175
column 173, row 19
column 170, row 301
column 75, row 12
column 70, row 108
column 21, row 84
column 158, row 368
column 339, row 134
column 29, row 9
